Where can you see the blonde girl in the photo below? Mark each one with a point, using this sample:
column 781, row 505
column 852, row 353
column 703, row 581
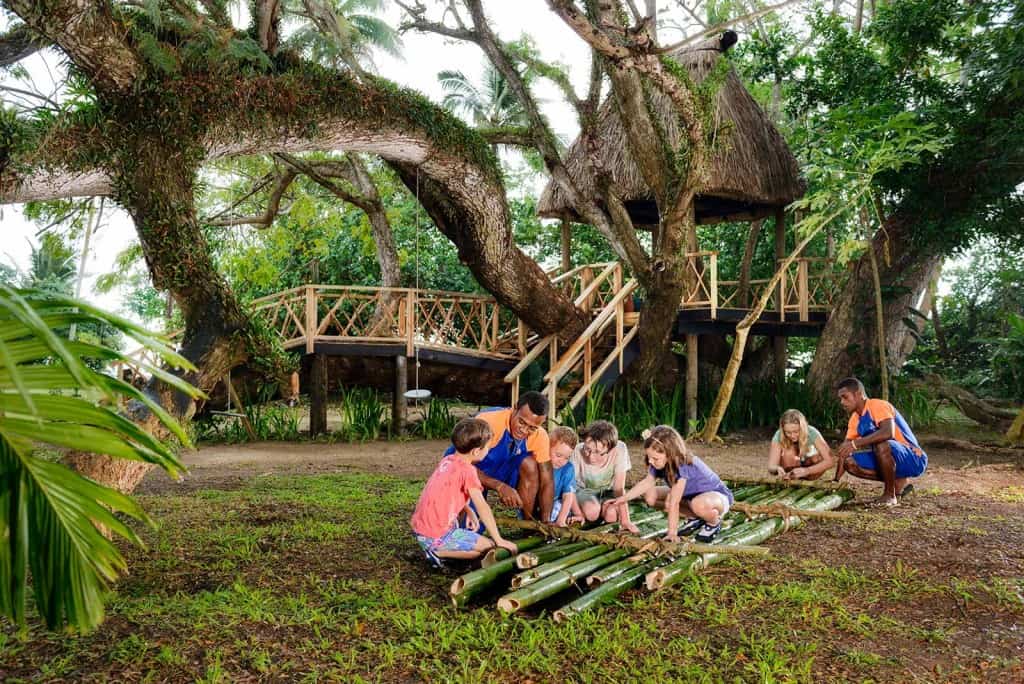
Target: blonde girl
column 798, row 451
column 693, row 489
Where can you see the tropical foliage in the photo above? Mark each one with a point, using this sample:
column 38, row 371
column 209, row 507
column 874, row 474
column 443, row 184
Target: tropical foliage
column 52, row 520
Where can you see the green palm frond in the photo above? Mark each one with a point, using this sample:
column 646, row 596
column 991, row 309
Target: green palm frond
column 50, row 516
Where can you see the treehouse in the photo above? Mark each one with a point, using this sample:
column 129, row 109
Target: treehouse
column 752, row 173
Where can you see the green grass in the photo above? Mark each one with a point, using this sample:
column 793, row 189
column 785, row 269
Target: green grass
column 307, row 579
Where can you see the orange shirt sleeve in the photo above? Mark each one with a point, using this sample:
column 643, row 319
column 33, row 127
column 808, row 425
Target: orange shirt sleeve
column 539, row 445
column 851, row 427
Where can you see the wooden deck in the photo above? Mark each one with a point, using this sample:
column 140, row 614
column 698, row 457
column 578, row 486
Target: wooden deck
column 472, row 330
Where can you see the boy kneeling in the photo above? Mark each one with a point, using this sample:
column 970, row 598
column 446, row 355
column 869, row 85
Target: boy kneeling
column 448, row 493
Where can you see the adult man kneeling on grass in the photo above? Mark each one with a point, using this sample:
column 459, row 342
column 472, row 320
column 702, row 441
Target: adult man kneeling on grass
column 518, row 461
column 879, row 444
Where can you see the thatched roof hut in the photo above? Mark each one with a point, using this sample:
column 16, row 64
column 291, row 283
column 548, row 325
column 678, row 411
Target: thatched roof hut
column 752, row 171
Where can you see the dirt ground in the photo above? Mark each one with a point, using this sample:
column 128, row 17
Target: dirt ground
column 954, row 466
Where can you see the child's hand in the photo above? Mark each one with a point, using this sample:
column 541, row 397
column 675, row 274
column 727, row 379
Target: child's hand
column 671, row 537
column 575, row 519
column 509, row 546
column 629, row 527
column 795, row 474
column 472, row 521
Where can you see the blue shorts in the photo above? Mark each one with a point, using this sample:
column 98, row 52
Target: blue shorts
column 455, row 539
column 908, row 463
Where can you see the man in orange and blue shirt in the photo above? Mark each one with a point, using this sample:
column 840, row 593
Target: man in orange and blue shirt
column 518, row 461
column 879, row 444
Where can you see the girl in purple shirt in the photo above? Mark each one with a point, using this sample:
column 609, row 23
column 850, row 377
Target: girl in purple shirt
column 693, row 488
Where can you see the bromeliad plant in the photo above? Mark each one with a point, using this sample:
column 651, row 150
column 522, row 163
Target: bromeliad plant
column 50, row 516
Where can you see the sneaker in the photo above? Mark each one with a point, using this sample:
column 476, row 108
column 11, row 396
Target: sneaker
column 690, row 526
column 708, row 532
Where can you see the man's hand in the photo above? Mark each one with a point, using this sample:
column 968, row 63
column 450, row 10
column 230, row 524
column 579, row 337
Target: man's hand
column 845, row 449
column 509, row 546
column 509, row 496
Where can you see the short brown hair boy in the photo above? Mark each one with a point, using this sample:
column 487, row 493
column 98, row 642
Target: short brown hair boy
column 470, row 434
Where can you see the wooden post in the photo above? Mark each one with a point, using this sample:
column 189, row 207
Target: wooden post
column 620, row 316
column 318, row 395
column 410, row 321
column 691, row 381
column 553, row 385
column 311, row 324
column 398, row 404
column 521, row 334
column 714, row 285
column 566, row 245
column 802, row 289
column 586, row 277
column 494, row 326
column 779, row 351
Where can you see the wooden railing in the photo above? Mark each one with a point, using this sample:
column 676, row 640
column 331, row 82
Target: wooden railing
column 809, row 284
column 600, row 290
column 454, row 321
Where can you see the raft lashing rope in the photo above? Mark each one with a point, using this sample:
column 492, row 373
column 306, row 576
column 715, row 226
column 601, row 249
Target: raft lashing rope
column 590, row 568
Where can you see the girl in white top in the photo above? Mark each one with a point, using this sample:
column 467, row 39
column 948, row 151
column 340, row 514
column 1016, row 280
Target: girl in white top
column 601, row 461
column 798, row 451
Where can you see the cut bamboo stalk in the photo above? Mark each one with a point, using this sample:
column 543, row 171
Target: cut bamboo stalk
column 526, row 561
column 775, row 482
column 677, row 548
column 551, row 585
column 615, row 569
column 538, row 573
column 498, row 554
column 782, row 509
column 609, row 589
column 759, row 531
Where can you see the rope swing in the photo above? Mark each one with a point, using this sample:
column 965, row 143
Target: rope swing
column 417, row 393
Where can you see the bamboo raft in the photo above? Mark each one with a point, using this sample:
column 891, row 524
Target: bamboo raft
column 600, row 563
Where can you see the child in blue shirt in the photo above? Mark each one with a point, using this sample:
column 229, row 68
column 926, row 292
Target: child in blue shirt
column 564, row 511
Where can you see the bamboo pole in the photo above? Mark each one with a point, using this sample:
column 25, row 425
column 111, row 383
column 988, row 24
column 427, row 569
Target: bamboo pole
column 607, row 590
column 551, row 585
column 786, row 484
column 677, row 548
column 498, row 554
column 759, row 531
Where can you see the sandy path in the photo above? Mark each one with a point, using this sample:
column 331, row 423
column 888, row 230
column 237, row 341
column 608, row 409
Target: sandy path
column 231, row 466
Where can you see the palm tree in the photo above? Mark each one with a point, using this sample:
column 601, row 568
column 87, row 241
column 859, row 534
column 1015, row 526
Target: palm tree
column 341, row 32
column 52, row 520
column 491, row 104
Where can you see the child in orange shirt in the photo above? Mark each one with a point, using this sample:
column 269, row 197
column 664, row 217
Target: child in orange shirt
column 447, row 494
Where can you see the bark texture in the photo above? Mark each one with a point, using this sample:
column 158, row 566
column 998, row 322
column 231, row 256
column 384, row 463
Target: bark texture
column 848, row 344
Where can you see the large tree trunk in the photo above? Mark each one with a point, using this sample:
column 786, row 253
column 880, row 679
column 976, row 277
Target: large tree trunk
column 846, row 346
column 156, row 185
column 497, row 263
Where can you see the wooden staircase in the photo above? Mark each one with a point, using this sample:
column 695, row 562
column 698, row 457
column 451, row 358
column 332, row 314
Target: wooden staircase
column 601, row 354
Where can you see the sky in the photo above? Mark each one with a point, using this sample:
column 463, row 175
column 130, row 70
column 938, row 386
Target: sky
column 424, row 55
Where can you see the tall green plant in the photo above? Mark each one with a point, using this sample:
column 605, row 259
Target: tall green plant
column 362, row 413
column 48, row 513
